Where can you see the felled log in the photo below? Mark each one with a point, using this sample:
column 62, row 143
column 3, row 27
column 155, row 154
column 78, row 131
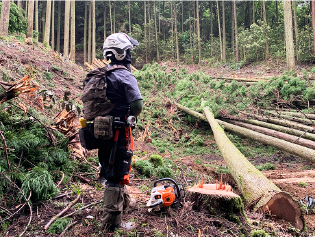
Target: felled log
column 293, row 118
column 255, row 187
column 273, row 133
column 280, row 128
column 241, row 79
column 284, row 122
column 289, row 147
column 294, row 114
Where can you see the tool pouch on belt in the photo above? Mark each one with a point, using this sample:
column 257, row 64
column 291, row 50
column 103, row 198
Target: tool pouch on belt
column 103, row 127
column 87, row 138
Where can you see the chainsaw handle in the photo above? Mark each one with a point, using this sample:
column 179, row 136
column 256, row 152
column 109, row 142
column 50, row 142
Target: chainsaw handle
column 171, row 180
column 156, row 204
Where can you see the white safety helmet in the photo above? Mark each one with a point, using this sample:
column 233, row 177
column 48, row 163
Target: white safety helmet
column 117, row 44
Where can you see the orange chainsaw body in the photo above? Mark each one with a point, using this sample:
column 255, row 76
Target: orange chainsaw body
column 167, row 195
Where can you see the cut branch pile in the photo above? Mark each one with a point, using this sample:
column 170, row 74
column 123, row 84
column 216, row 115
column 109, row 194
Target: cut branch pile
column 96, row 63
column 14, row 89
column 295, row 145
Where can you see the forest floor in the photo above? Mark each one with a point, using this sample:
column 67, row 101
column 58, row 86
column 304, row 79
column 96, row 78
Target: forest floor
column 292, row 174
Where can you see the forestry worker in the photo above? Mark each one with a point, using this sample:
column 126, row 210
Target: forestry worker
column 122, row 90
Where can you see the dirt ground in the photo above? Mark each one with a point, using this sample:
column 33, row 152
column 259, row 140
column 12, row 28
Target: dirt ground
column 292, row 175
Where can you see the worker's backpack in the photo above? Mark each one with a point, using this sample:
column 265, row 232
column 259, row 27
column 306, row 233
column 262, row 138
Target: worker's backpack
column 95, row 101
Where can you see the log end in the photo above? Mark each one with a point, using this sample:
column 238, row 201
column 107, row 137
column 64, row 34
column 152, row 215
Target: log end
column 282, row 206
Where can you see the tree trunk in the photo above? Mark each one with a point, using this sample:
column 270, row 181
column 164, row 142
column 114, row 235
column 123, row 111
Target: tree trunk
column 66, row 29
column 273, row 133
column 47, row 23
column 211, row 22
column 53, row 25
column 157, row 41
column 279, row 128
column 265, row 30
column 19, row 3
column 176, row 34
column 253, row 12
column 89, row 33
column 145, row 30
column 30, row 17
column 198, row 29
column 58, row 27
column 73, row 32
column 288, row 28
column 299, row 115
column 111, row 20
column 129, row 16
column 232, row 36
column 296, row 30
column 236, row 32
column 224, row 31
column 104, row 22
column 114, row 21
column 219, row 30
column 85, row 31
column 284, row 122
column 303, row 152
column 295, row 119
column 4, row 18
column 182, row 16
column 94, row 29
column 277, row 12
column 313, row 22
column 254, row 186
column 36, row 20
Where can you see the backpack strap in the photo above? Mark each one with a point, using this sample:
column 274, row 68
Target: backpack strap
column 114, row 67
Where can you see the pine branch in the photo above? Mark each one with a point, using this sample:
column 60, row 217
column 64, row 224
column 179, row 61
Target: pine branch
column 5, row 150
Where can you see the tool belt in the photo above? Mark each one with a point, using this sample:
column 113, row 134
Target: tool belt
column 103, row 127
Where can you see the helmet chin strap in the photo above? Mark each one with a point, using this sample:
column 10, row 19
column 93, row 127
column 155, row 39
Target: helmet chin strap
column 125, row 62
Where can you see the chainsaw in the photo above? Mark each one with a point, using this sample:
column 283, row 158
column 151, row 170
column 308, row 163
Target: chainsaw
column 165, row 195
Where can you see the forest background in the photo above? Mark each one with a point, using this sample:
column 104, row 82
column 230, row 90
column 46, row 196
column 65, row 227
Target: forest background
column 184, row 31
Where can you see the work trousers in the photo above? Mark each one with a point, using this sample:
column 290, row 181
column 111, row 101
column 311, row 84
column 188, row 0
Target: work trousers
column 115, row 200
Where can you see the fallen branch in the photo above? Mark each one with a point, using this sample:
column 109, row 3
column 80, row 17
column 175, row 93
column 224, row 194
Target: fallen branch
column 5, row 150
column 289, row 147
column 31, row 215
column 252, row 183
column 62, row 178
column 67, row 227
column 81, row 209
column 83, row 178
column 61, row 213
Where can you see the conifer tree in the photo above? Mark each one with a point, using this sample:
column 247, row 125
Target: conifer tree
column 73, row 32
column 4, row 18
column 47, row 23
column 66, row 29
column 30, row 17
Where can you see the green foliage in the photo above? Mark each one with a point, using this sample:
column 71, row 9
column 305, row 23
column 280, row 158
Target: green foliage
column 58, row 226
column 266, row 166
column 17, row 21
column 40, row 183
column 156, row 160
column 302, row 184
column 48, row 75
column 258, row 233
column 155, row 166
